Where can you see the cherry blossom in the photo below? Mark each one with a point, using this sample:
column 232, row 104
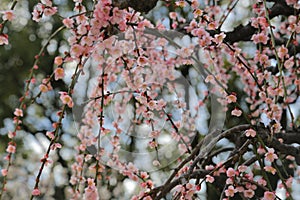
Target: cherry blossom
column 11, row 134
column 260, row 38
column 248, row 193
column 36, row 192
column 270, row 169
column 250, row 133
column 270, row 155
column 58, row 60
column 59, row 73
column 66, row 99
column 3, row 39
column 18, row 112
column 50, row 134
column 4, row 172
column 262, row 182
column 269, row 195
column 180, row 3
column 91, row 192
column 8, row 15
column 11, row 148
column 56, row 146
column 230, row 172
column 135, row 91
column 230, row 191
column 282, row 52
column 261, row 150
column 236, row 112
column 210, row 179
column 231, row 98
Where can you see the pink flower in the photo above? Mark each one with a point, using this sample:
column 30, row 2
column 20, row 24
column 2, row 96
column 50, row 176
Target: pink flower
column 250, row 133
column 50, row 11
column 261, row 150
column 153, row 144
column 270, row 169
column 230, row 172
column 8, row 15
column 18, row 112
column 154, row 134
column 11, row 148
column 142, row 60
column 218, row 38
column 230, row 191
column 260, row 38
column 212, row 26
column 269, row 195
column 56, row 146
column 282, row 52
column 210, row 178
column 66, row 99
column 180, row 3
column 152, row 105
column 11, row 134
column 76, row 50
column 209, row 79
column 289, row 63
column 231, row 98
column 58, row 60
column 270, row 155
column 197, row 13
column 50, row 135
column 248, row 193
column 45, row 86
column 36, row 14
column 209, row 167
column 173, row 15
column 236, row 112
column 262, row 182
column 148, row 114
column 242, row 168
column 3, row 39
column 229, row 181
column 4, row 172
column 160, row 104
column 144, row 175
column 59, row 73
column 36, row 192
column 68, row 22
column 91, row 192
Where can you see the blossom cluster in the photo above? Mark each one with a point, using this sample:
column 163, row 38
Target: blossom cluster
column 139, row 121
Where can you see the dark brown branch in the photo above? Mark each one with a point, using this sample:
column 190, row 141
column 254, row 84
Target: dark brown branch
column 138, row 5
column 244, row 33
column 281, row 8
column 289, row 137
column 240, row 33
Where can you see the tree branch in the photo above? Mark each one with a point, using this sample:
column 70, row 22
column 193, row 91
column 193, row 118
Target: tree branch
column 138, row 5
column 244, row 33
